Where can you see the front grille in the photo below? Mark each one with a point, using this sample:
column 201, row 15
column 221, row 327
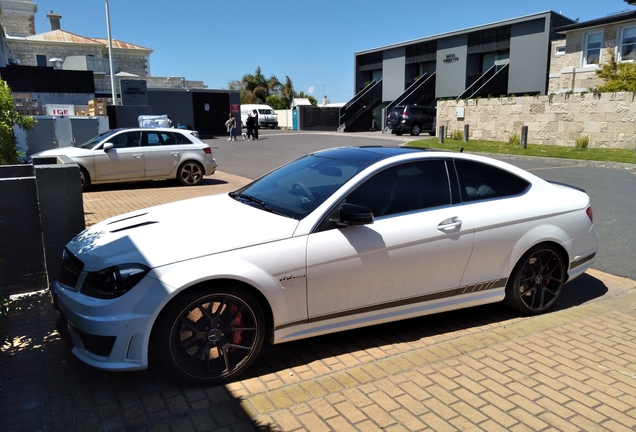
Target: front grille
column 71, row 269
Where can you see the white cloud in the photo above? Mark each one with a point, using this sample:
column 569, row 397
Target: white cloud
column 311, row 90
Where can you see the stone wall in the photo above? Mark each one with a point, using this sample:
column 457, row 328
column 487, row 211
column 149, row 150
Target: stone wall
column 608, row 119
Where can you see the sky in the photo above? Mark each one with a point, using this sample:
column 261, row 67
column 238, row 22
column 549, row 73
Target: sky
column 310, row 41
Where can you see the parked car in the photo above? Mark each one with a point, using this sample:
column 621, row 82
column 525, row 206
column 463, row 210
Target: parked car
column 335, row 240
column 124, row 155
column 412, row 119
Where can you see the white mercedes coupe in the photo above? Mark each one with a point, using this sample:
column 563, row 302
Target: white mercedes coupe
column 335, row 240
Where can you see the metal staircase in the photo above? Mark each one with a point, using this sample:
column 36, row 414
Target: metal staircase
column 421, row 92
column 357, row 114
column 493, row 82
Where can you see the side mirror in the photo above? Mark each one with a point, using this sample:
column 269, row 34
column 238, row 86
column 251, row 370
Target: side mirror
column 107, row 147
column 351, row 214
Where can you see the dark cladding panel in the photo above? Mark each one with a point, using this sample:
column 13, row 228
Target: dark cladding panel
column 33, row 79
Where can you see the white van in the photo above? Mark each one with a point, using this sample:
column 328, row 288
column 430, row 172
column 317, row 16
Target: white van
column 266, row 115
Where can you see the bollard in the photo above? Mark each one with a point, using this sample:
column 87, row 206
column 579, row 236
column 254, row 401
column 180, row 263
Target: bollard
column 466, row 128
column 442, row 133
column 524, row 137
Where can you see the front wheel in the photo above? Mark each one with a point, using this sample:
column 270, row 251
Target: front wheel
column 415, row 130
column 210, row 336
column 536, row 281
column 190, row 174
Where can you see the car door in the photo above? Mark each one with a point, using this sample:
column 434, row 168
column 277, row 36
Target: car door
column 416, row 250
column 124, row 161
column 162, row 153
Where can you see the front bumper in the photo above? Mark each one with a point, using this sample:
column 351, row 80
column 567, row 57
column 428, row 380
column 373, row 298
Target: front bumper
column 110, row 334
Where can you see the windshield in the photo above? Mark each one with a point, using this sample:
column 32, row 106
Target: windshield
column 266, row 111
column 96, row 140
column 296, row 189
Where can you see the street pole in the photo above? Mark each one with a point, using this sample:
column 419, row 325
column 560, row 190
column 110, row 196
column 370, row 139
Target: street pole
column 110, row 57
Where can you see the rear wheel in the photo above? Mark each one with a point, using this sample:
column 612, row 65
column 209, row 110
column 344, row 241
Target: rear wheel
column 537, row 280
column 211, row 335
column 85, row 178
column 190, row 173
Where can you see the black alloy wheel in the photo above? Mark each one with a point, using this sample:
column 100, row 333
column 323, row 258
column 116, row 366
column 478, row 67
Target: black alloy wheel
column 210, row 336
column 536, row 280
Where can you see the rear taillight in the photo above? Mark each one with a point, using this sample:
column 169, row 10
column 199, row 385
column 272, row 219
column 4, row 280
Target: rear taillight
column 405, row 114
column 207, row 150
column 588, row 212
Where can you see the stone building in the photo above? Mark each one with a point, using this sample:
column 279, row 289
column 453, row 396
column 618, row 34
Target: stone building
column 64, row 50
column 586, row 46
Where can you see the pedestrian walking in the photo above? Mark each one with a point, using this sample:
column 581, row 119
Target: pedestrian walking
column 249, row 122
column 255, row 124
column 230, row 124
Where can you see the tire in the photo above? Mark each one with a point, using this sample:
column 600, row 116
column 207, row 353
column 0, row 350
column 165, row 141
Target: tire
column 85, row 178
column 415, row 130
column 537, row 280
column 209, row 336
column 190, row 173
column 431, row 133
column 399, row 133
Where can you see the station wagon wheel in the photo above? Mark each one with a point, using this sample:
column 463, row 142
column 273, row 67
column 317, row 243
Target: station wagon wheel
column 415, row 130
column 536, row 280
column 190, row 173
column 85, row 178
column 206, row 338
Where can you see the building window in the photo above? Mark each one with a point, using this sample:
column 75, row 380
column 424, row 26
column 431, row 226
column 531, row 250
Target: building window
column 41, row 60
column 627, row 47
column 592, row 52
column 560, row 50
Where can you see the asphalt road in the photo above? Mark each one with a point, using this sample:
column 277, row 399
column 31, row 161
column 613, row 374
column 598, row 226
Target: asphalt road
column 611, row 187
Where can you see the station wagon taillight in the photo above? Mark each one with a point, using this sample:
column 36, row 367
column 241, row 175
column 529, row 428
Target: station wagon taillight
column 207, row 150
column 588, row 212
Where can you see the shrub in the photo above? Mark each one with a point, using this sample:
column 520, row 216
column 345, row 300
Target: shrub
column 515, row 139
column 457, row 135
column 582, row 141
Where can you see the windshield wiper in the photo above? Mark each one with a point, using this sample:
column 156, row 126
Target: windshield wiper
column 261, row 203
column 249, row 198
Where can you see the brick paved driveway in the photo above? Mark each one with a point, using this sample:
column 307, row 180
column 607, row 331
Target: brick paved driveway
column 483, row 368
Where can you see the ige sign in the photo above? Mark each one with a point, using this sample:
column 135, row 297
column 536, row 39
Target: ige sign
column 60, row 110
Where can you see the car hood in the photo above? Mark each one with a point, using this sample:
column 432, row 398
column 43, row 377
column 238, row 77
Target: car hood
column 65, row 151
column 178, row 231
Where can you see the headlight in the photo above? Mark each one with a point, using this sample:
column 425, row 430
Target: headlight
column 114, row 281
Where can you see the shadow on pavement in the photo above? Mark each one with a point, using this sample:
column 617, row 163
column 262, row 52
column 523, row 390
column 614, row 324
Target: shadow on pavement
column 44, row 387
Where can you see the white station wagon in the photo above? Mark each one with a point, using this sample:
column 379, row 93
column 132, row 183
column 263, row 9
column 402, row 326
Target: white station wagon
column 124, row 155
column 338, row 239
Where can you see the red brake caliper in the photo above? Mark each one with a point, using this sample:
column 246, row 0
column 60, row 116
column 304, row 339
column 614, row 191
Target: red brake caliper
column 238, row 322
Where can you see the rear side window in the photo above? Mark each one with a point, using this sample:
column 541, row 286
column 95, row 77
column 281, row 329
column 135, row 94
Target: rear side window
column 182, row 138
column 478, row 181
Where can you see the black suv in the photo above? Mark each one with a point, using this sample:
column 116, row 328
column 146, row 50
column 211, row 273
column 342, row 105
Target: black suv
column 412, row 119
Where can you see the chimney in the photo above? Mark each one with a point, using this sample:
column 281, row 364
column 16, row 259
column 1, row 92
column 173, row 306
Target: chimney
column 55, row 20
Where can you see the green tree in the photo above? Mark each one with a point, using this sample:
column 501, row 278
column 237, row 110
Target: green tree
column 617, row 76
column 287, row 93
column 256, row 88
column 9, row 117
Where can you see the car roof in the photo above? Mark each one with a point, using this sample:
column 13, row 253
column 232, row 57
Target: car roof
column 366, row 154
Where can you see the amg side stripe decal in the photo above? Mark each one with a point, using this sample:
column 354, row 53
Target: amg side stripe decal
column 467, row 289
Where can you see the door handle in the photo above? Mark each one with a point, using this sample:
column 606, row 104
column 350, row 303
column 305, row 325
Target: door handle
column 449, row 224
column 137, row 156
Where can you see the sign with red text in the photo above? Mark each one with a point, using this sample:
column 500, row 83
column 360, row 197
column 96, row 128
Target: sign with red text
column 60, row 110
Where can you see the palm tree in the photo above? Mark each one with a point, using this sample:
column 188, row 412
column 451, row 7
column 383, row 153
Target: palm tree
column 287, row 92
column 256, row 88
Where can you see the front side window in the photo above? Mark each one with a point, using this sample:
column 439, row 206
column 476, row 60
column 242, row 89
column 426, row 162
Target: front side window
column 403, row 188
column 627, row 48
column 125, row 140
column 593, row 43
